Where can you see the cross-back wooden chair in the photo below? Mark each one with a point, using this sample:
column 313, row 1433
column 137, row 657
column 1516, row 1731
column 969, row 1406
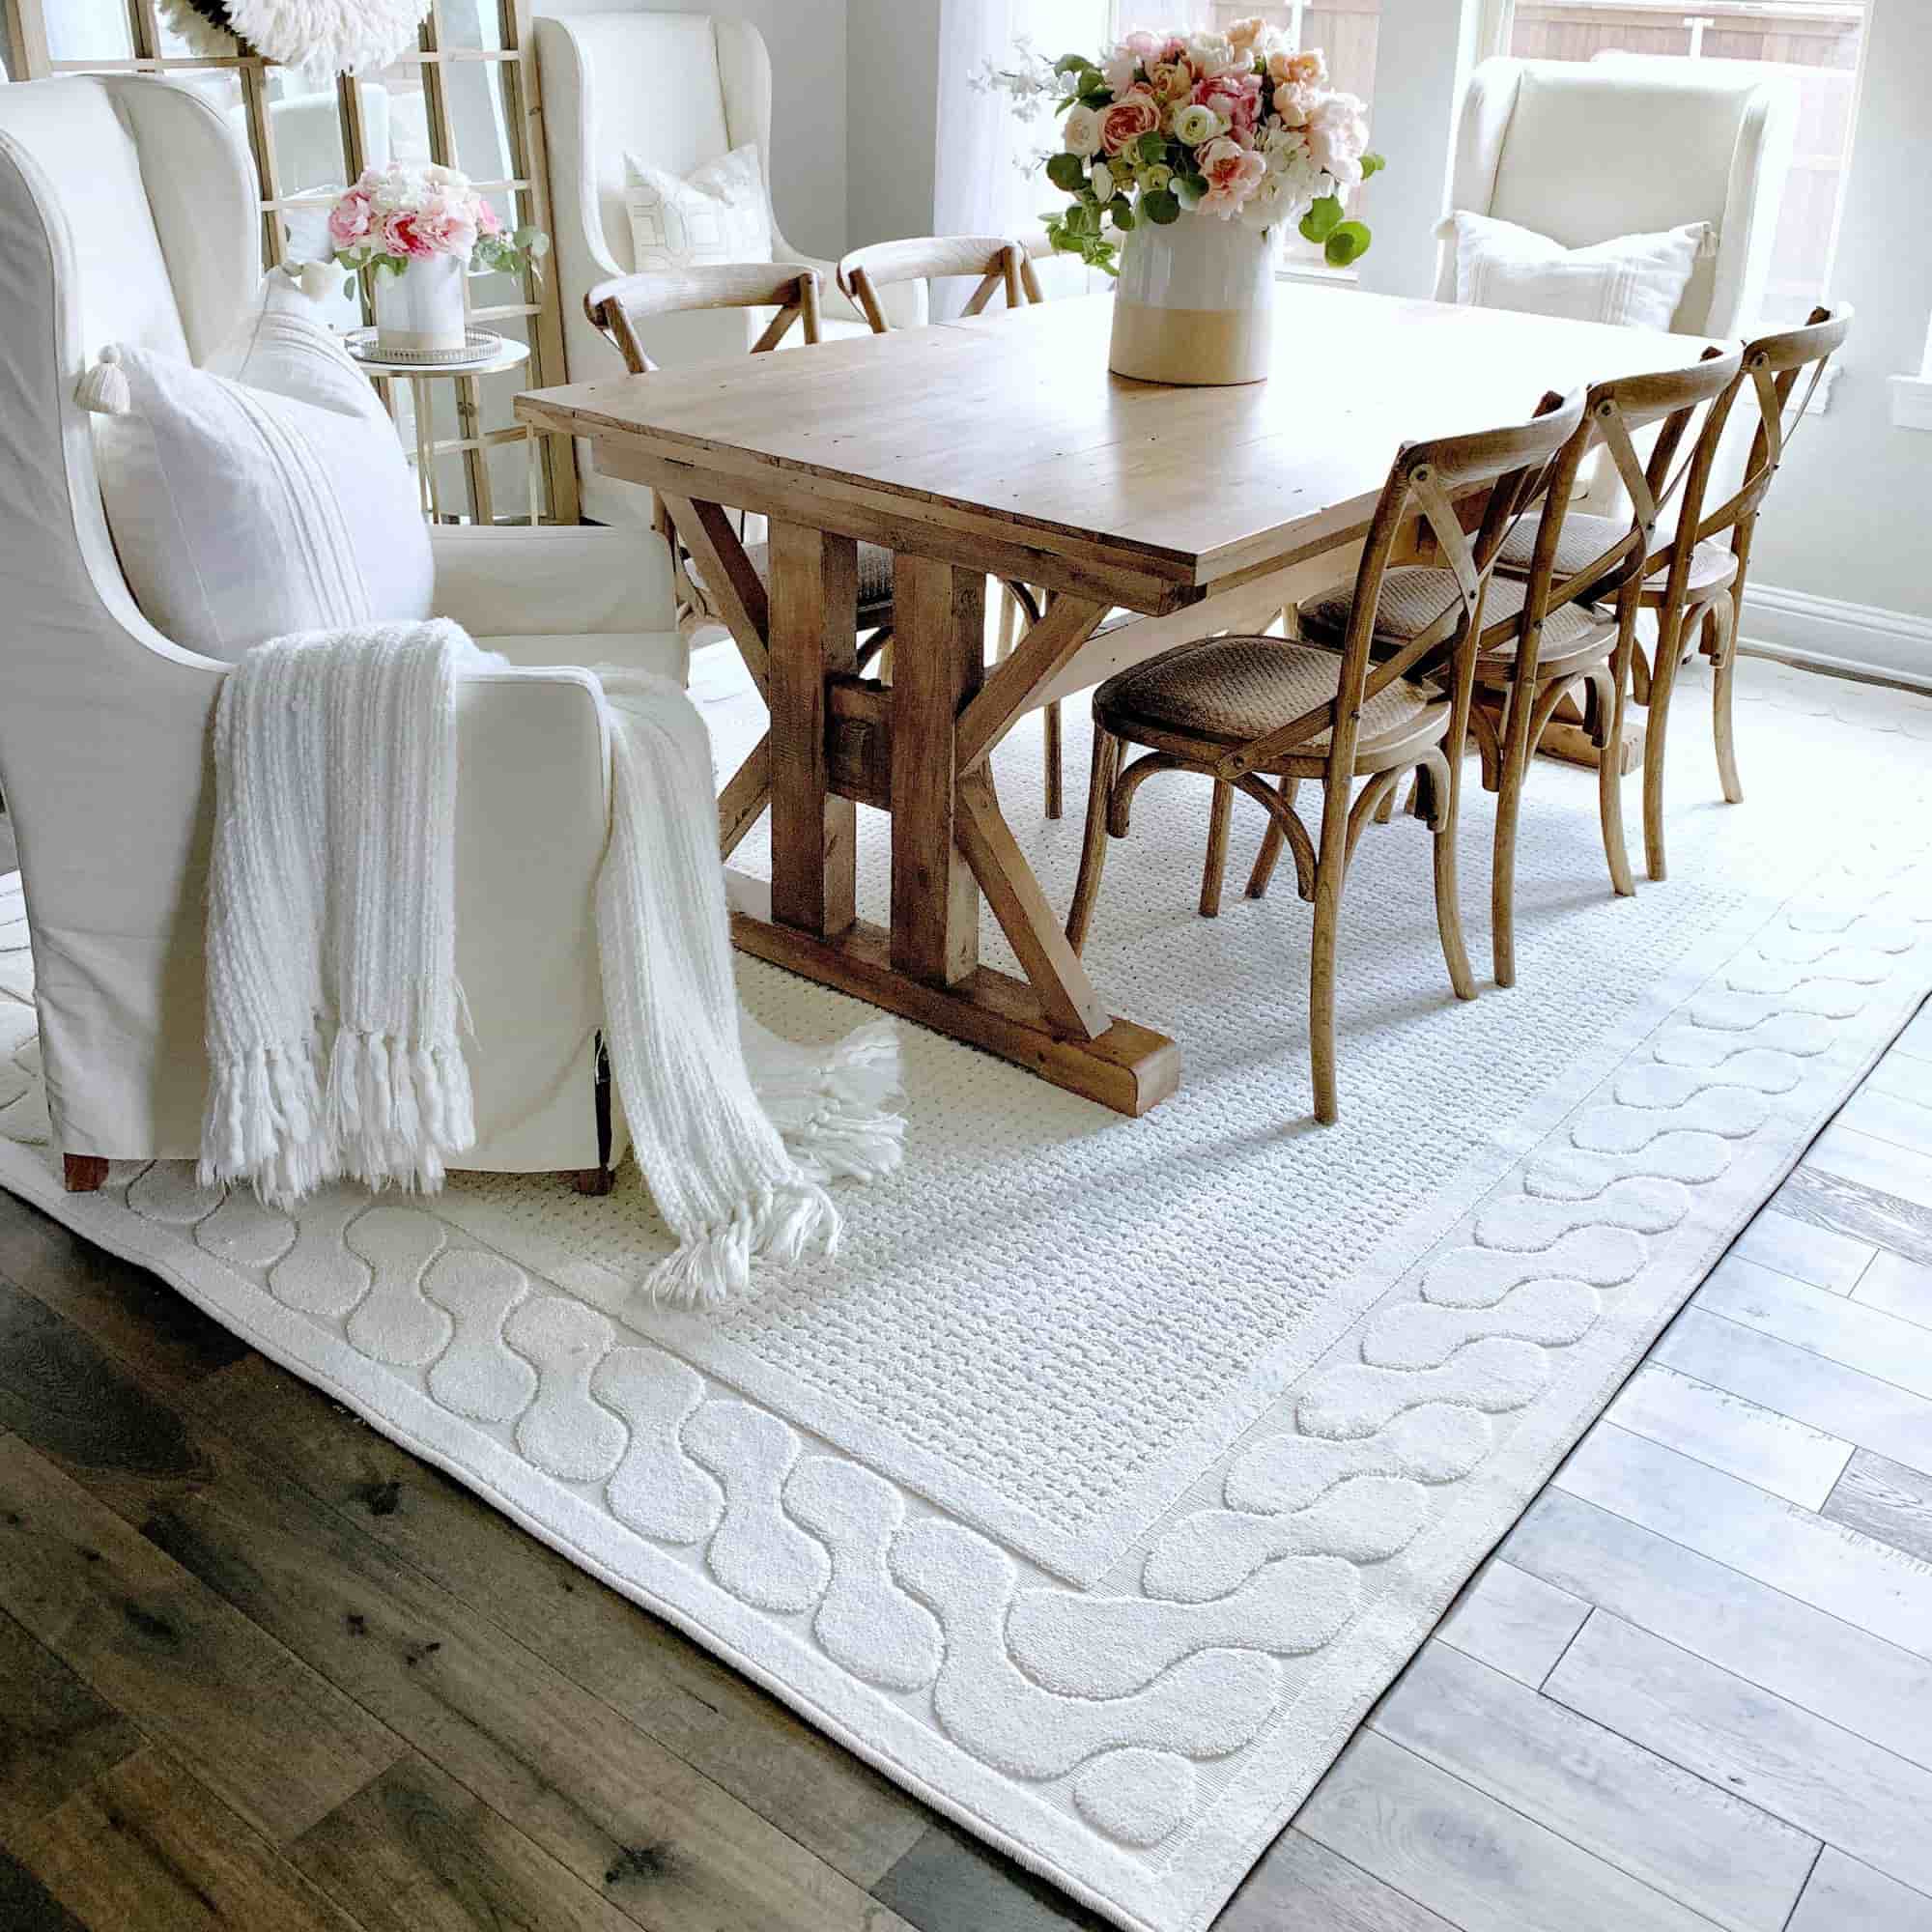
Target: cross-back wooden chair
column 1693, row 582
column 1546, row 636
column 617, row 308
column 1002, row 263
column 1242, row 710
column 1005, row 267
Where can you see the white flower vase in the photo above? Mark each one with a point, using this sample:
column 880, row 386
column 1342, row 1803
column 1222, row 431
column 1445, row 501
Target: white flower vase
column 420, row 313
column 1195, row 302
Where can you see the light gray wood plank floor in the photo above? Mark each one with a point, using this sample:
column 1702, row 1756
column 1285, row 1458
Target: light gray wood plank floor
column 1692, row 1689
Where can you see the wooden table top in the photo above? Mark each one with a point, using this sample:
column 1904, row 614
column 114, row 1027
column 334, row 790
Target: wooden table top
column 1013, row 425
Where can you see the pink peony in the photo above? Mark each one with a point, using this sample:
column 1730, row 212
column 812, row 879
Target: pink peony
column 488, row 221
column 1118, row 71
column 1232, row 172
column 1338, row 133
column 1172, row 80
column 1237, row 98
column 403, row 235
column 1130, row 117
column 1309, row 70
column 1295, row 101
column 351, row 219
column 1142, row 44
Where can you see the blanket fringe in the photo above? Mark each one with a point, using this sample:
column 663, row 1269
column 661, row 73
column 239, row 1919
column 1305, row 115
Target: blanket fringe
column 784, row 1224
column 831, row 1111
column 377, row 1109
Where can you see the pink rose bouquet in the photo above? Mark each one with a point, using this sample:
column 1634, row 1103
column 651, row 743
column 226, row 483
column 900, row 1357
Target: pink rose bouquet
column 1241, row 124
column 400, row 214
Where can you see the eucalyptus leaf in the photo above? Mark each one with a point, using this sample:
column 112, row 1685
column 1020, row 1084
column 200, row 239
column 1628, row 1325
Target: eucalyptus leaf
column 1067, row 173
column 1348, row 243
column 1161, row 206
column 1152, row 149
column 1322, row 218
column 1123, row 212
column 1071, row 64
column 1373, row 164
column 1190, row 190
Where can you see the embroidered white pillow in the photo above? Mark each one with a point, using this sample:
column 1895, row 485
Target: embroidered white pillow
column 262, row 494
column 1636, row 280
column 718, row 212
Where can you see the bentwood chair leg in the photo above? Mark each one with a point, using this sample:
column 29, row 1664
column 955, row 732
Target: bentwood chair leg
column 1611, row 687
column 1513, row 774
column 1093, row 847
column 1216, row 864
column 1272, row 842
column 1722, row 631
column 1322, row 990
column 1656, row 735
column 1055, row 762
column 1434, row 803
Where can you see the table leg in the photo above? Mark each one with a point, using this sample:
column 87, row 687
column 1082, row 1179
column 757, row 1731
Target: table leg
column 813, row 636
column 706, row 531
column 431, row 496
column 941, row 721
column 939, row 629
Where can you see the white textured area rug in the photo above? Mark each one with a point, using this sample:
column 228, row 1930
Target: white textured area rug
column 1114, row 1467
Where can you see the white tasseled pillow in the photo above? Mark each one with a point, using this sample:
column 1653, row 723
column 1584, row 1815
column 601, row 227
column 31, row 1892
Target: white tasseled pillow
column 718, row 212
column 1636, row 280
column 262, row 494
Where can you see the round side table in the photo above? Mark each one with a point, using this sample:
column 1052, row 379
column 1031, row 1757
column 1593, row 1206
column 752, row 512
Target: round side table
column 419, row 376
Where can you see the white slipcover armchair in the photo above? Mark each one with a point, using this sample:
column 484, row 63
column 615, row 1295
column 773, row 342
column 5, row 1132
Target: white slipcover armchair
column 677, row 89
column 1583, row 151
column 129, row 212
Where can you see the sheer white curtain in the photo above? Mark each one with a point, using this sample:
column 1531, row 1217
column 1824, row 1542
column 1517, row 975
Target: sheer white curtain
column 979, row 184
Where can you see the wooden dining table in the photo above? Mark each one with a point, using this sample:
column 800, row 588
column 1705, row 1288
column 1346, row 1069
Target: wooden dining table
column 1003, row 448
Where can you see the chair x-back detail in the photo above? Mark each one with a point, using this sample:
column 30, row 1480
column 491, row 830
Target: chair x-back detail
column 1004, row 268
column 1242, row 710
column 1693, row 583
column 1544, row 640
column 1704, row 592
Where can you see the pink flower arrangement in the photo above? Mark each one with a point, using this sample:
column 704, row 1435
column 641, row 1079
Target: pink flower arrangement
column 398, row 216
column 1239, row 125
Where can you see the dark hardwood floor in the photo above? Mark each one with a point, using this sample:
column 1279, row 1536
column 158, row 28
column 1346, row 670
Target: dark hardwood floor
column 261, row 1669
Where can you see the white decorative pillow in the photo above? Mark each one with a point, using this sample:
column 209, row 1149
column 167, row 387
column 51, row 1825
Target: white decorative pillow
column 1636, row 280
column 262, row 494
column 717, row 214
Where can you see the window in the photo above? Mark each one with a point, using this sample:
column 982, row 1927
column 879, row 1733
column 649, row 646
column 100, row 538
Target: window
column 1816, row 41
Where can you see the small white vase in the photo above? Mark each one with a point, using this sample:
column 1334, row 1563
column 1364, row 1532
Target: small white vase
column 1195, row 302
column 421, row 312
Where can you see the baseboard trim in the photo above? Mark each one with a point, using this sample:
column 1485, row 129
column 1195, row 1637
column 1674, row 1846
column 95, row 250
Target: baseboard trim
column 1830, row 634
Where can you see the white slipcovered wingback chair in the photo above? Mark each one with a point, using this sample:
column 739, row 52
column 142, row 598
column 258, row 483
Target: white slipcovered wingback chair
column 1583, row 151
column 677, row 89
column 128, row 214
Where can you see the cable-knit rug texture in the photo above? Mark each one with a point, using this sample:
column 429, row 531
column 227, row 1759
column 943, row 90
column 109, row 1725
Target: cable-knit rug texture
column 1113, row 1469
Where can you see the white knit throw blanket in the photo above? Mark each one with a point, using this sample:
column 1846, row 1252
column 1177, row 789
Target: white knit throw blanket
column 335, row 1022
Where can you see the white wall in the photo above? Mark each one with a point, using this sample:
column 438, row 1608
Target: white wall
column 1851, row 513
column 892, row 89
column 807, row 38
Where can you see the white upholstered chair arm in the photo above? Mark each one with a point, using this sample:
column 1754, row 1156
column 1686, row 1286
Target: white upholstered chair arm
column 571, row 580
